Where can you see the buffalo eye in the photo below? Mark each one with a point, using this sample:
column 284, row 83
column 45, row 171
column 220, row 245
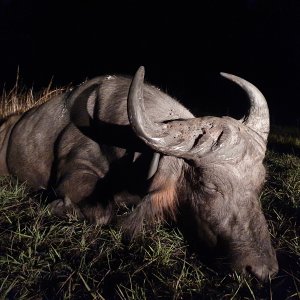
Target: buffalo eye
column 209, row 187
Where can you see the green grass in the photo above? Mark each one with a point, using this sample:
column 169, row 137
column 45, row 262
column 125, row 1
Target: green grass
column 42, row 257
column 285, row 139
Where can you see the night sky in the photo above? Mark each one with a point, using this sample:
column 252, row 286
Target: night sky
column 182, row 44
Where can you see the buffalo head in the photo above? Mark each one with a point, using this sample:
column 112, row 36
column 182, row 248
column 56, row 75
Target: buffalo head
column 217, row 164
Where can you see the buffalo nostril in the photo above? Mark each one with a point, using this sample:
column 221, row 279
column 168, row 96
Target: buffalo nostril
column 249, row 269
column 258, row 272
column 262, row 273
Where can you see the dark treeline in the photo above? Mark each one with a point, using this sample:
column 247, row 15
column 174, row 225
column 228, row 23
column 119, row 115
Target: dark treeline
column 183, row 46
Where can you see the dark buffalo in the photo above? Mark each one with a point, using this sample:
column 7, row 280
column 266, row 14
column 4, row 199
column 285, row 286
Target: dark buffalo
column 113, row 138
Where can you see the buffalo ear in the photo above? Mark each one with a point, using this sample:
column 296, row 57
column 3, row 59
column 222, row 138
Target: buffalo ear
column 83, row 105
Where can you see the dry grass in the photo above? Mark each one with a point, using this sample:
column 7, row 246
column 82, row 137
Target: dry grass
column 20, row 99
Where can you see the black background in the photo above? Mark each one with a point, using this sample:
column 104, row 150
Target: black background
column 182, row 44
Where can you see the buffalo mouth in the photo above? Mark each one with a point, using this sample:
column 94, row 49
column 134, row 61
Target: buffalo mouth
column 220, row 257
column 263, row 267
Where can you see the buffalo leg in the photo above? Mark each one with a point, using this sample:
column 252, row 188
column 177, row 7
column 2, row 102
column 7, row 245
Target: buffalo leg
column 76, row 193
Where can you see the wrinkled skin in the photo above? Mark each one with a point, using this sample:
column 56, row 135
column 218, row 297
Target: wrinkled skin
column 114, row 140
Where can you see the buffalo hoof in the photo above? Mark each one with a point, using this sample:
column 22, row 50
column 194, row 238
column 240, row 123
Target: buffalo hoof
column 63, row 208
column 57, row 208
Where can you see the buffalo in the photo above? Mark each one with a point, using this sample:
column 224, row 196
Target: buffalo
column 116, row 139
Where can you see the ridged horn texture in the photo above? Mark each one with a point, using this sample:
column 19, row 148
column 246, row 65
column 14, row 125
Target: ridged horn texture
column 258, row 118
column 198, row 137
column 159, row 137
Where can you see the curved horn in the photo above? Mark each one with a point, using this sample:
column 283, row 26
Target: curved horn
column 145, row 129
column 258, row 118
column 160, row 137
column 194, row 137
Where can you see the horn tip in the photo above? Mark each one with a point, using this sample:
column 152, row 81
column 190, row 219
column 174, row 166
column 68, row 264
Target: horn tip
column 227, row 75
column 141, row 71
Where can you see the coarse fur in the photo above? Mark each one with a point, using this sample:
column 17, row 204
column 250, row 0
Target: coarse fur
column 70, row 151
column 93, row 149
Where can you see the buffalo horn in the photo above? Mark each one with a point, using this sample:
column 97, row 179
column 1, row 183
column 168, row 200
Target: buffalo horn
column 258, row 116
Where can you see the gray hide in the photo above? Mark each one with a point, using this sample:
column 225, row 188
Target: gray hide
column 116, row 139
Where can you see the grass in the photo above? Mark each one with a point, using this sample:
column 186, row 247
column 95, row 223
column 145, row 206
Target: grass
column 20, row 99
column 285, row 139
column 43, row 257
